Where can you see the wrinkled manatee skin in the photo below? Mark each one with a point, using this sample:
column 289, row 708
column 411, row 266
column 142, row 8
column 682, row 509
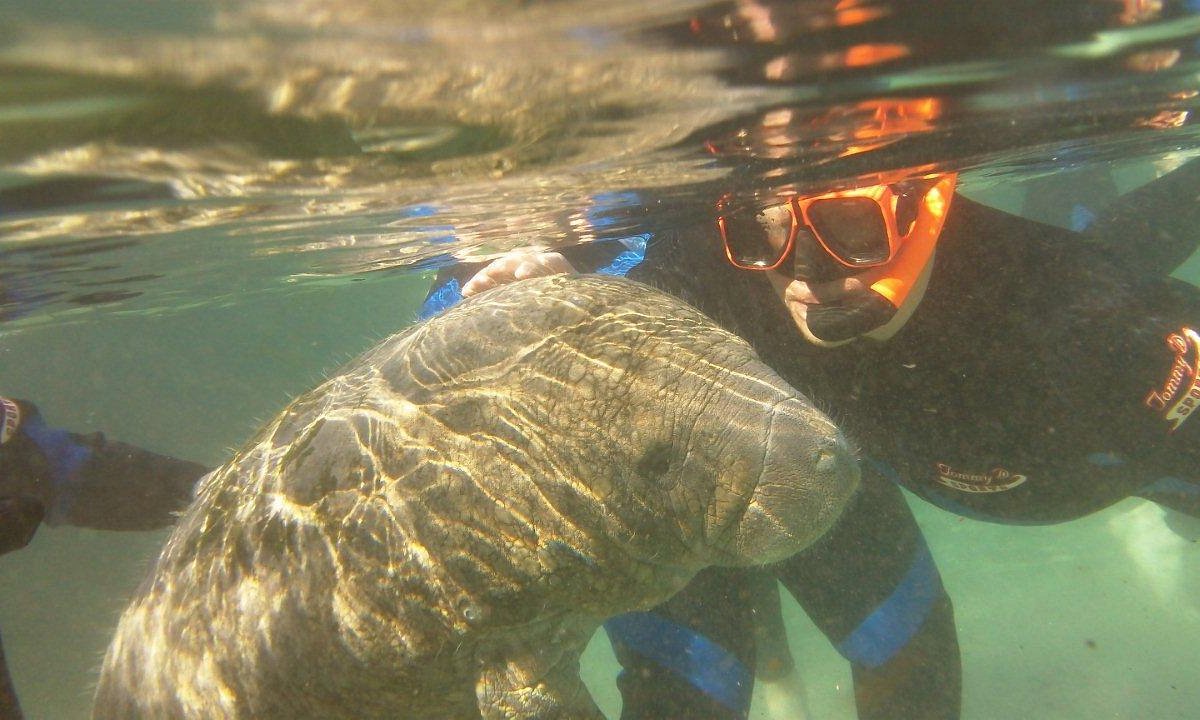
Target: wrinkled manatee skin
column 437, row 530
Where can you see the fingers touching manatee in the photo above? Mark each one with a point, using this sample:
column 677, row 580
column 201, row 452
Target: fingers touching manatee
column 437, row 530
column 517, row 265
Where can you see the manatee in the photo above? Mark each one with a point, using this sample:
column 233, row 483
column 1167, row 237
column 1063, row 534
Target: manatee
column 438, row 529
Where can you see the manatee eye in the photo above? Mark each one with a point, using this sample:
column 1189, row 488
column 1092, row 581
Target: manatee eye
column 655, row 462
column 824, row 460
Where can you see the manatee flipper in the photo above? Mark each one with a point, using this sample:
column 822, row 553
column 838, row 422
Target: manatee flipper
column 536, row 679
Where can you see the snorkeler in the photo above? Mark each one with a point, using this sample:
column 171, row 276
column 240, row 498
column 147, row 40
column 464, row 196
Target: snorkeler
column 1046, row 375
column 51, row 475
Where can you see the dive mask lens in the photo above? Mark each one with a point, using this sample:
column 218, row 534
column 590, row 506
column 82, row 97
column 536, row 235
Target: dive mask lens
column 852, row 229
column 811, row 262
column 757, row 240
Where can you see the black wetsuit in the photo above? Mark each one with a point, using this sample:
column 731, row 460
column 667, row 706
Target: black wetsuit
column 49, row 474
column 1033, row 384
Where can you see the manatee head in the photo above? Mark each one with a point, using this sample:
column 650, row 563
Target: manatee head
column 806, row 473
column 651, row 424
column 780, row 472
column 685, row 440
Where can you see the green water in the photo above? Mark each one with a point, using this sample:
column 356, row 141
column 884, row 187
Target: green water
column 1090, row 619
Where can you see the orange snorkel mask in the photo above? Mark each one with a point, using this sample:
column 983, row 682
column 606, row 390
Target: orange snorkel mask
column 884, row 233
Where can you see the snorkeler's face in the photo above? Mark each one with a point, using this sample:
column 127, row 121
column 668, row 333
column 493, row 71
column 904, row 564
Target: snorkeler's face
column 848, row 263
column 829, row 307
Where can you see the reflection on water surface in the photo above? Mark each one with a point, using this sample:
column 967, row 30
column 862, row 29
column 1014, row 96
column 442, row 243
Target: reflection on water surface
column 310, row 141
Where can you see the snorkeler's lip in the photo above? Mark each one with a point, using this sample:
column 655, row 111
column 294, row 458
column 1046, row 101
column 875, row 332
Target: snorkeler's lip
column 830, row 291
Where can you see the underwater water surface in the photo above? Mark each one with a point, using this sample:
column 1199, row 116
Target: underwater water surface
column 206, row 207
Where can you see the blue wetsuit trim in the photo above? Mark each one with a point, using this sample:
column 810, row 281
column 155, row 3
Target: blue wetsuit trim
column 1082, row 218
column 448, row 295
column 65, row 457
column 710, row 668
column 898, row 618
column 627, row 260
column 598, row 215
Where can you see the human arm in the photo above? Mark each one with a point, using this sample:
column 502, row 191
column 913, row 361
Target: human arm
column 693, row 656
column 86, row 480
column 872, row 587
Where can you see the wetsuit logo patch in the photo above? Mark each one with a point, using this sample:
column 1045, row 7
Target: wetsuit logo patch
column 998, row 480
column 1180, row 392
column 10, row 418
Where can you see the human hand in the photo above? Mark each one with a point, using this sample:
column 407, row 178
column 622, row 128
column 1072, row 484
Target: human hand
column 516, row 265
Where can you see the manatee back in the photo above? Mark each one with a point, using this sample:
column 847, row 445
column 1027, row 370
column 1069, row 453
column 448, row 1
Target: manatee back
column 520, row 431
column 590, row 318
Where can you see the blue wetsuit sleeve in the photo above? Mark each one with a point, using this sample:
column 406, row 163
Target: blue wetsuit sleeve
column 90, row 481
column 445, row 293
column 893, row 623
column 64, row 455
column 692, row 656
column 36, row 460
column 706, row 666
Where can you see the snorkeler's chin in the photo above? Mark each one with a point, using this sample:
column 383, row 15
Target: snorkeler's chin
column 798, row 296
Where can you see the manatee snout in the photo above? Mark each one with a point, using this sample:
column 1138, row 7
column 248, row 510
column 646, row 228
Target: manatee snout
column 809, row 472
